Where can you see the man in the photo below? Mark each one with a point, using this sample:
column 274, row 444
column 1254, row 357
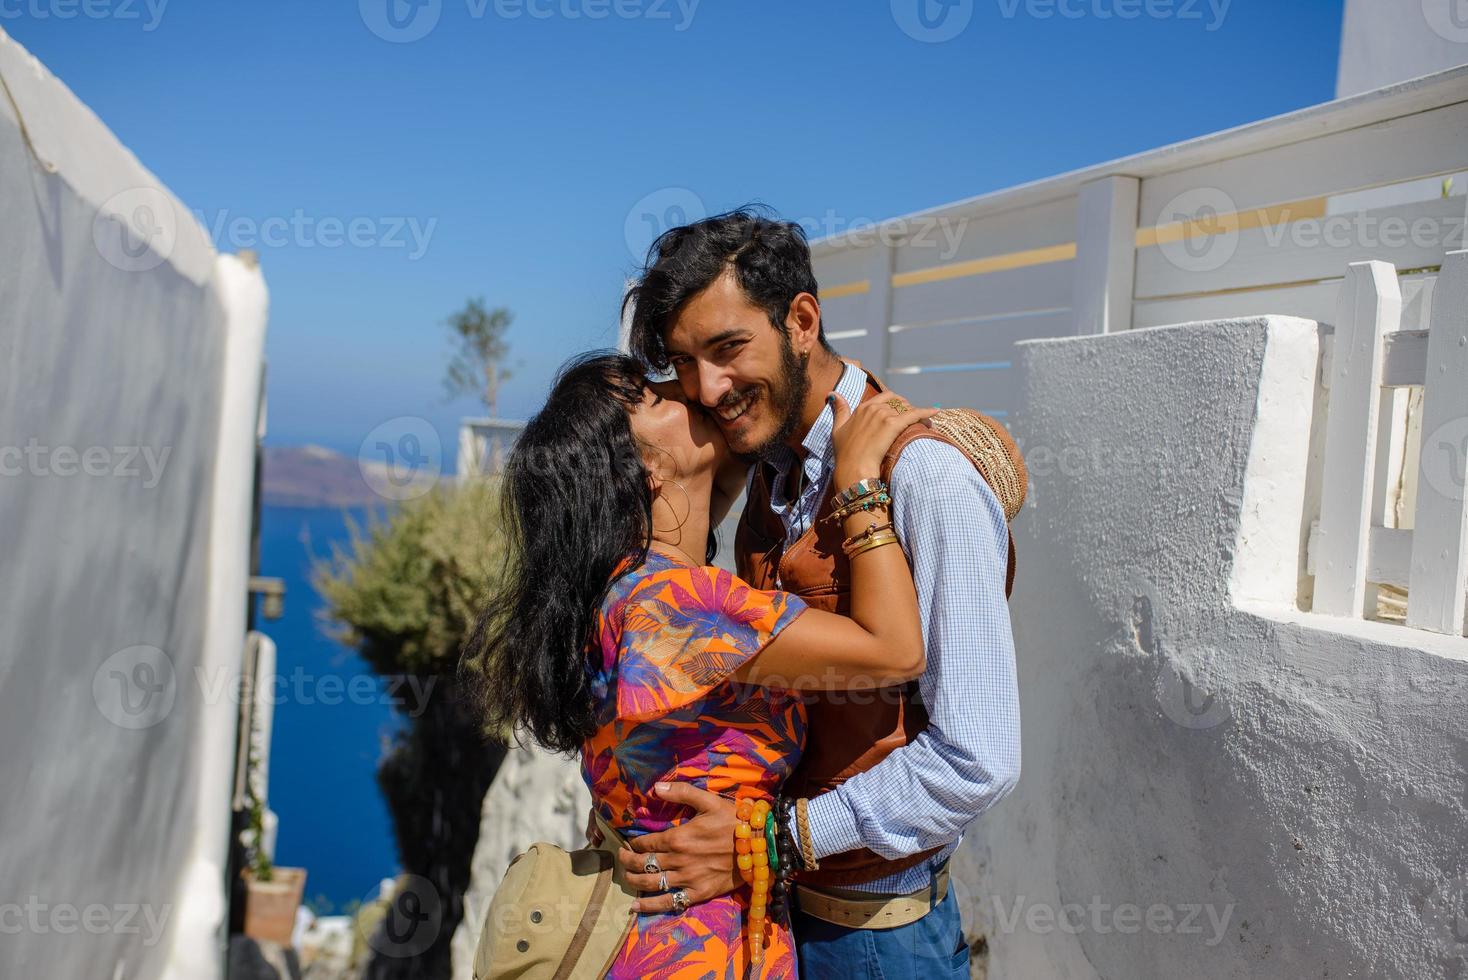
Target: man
column 729, row 304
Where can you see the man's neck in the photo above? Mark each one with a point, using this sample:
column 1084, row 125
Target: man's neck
column 825, row 371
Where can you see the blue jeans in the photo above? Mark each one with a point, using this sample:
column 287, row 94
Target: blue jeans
column 931, row 947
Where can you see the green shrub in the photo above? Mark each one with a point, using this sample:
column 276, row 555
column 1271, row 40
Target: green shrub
column 407, row 590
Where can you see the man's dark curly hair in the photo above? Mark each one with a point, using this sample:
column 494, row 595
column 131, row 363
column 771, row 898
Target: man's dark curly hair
column 769, row 257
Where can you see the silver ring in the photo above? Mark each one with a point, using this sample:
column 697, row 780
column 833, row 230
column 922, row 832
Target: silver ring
column 651, row 864
column 680, row 901
column 663, row 881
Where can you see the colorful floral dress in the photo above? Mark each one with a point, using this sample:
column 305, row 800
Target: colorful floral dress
column 670, row 636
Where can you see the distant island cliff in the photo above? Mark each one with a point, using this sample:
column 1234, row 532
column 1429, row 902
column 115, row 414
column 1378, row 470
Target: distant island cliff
column 314, row 476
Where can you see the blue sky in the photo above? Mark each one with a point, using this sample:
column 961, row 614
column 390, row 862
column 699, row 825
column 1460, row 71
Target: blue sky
column 508, row 150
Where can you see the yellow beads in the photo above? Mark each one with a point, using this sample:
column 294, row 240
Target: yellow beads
column 751, row 854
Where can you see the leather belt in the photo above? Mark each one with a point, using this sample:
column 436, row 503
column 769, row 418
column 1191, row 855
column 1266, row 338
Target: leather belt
column 864, row 910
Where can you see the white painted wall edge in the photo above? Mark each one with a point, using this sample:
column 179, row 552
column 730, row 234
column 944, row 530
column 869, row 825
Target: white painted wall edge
column 199, row 935
column 1366, row 630
column 69, row 139
column 1267, row 550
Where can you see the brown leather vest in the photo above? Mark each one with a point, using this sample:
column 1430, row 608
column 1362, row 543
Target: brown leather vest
column 849, row 731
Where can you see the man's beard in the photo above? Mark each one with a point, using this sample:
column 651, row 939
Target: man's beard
column 786, row 398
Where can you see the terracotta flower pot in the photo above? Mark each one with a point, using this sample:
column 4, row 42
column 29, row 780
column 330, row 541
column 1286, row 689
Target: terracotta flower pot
column 270, row 906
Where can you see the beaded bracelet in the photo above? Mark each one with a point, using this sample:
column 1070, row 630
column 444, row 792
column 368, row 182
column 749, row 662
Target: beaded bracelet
column 879, row 499
column 861, row 488
column 791, row 859
column 752, row 856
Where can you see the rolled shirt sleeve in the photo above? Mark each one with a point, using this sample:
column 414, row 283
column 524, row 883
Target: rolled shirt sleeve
column 925, row 793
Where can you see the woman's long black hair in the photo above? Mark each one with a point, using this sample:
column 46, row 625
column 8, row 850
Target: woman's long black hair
column 576, row 502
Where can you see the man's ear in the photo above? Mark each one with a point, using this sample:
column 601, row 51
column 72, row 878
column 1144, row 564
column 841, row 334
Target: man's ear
column 804, row 323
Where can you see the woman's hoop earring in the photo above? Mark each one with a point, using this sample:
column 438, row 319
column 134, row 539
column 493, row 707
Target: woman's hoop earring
column 687, row 511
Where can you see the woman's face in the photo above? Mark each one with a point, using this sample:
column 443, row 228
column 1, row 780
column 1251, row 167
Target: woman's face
column 680, row 440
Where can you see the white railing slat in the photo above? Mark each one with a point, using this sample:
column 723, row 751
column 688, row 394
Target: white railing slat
column 1390, row 556
column 1439, row 575
column 1405, row 359
column 1370, row 307
column 1106, row 255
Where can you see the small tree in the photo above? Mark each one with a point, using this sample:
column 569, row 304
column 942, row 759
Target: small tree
column 478, row 366
column 405, row 593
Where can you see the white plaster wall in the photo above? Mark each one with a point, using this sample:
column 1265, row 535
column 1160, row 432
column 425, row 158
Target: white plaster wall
column 129, row 379
column 535, row 796
column 1389, row 41
column 1193, row 745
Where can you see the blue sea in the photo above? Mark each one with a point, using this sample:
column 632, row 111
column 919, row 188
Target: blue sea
column 332, row 718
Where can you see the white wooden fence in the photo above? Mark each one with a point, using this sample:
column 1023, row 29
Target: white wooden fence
column 1357, row 544
column 1260, row 219
column 1339, row 213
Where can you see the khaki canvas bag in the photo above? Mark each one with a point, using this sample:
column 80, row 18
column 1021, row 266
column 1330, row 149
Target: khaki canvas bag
column 557, row 915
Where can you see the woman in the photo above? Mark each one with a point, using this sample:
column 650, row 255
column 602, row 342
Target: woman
column 614, row 637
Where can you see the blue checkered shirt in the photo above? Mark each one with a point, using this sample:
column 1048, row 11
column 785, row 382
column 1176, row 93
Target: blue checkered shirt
column 952, row 528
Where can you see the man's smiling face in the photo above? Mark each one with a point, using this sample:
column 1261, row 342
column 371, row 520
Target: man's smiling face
column 731, row 359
